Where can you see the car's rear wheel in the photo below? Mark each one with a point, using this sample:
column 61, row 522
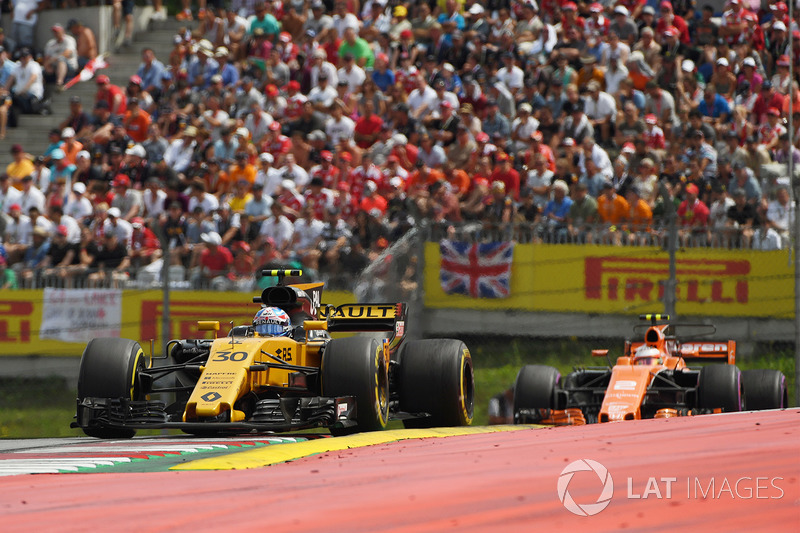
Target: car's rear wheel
column 109, row 369
column 355, row 366
column 765, row 389
column 721, row 387
column 436, row 377
column 534, row 389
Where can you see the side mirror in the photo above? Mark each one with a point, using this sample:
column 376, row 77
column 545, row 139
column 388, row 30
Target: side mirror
column 599, row 353
column 315, row 325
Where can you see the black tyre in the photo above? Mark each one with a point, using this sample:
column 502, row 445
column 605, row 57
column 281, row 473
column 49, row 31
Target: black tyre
column 435, row 377
column 535, row 388
column 109, row 369
column 355, row 366
column 765, row 389
column 721, row 387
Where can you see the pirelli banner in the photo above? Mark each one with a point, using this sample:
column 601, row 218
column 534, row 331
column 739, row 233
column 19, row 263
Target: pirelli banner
column 61, row 322
column 610, row 279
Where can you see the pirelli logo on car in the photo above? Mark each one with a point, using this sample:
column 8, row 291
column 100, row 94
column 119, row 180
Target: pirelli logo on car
column 642, row 279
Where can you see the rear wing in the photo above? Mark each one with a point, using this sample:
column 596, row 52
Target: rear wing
column 709, row 351
column 367, row 317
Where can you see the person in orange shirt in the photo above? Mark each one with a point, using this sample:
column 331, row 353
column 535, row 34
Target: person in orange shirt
column 371, row 199
column 612, row 209
column 70, row 146
column 424, row 176
column 458, row 180
column 242, row 170
column 639, row 217
column 136, row 121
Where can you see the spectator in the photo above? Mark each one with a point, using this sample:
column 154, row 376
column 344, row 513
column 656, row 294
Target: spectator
column 85, row 42
column 26, row 84
column 60, row 56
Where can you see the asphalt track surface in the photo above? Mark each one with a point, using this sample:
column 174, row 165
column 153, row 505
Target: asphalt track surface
column 734, row 472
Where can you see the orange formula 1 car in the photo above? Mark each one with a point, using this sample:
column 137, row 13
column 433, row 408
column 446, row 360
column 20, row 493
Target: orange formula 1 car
column 650, row 380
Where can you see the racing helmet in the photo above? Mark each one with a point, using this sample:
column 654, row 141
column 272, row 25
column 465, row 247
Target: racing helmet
column 272, row 322
column 647, row 355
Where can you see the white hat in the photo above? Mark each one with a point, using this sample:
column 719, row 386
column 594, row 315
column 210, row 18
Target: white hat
column 779, row 25
column 83, row 154
column 722, row 61
column 212, row 237
column 67, row 133
column 687, row 65
column 396, row 181
column 525, row 107
column 476, row 9
column 266, row 156
column 114, row 212
column 243, row 133
column 79, row 187
column 370, row 185
column 288, row 184
column 749, row 62
column 448, row 67
column 136, row 150
column 621, row 10
column 398, row 139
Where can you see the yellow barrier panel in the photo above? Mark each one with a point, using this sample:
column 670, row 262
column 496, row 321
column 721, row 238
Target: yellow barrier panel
column 142, row 311
column 629, row 280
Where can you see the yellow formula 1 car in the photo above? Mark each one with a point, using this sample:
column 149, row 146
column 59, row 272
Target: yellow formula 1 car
column 284, row 372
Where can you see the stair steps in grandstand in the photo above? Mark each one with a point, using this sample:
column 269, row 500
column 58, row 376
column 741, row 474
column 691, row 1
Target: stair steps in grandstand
column 32, row 130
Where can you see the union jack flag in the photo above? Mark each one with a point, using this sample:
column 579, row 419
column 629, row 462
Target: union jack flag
column 477, row 270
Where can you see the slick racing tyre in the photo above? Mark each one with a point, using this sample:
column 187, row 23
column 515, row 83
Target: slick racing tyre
column 435, row 377
column 110, row 369
column 721, row 387
column 765, row 389
column 355, row 366
column 535, row 388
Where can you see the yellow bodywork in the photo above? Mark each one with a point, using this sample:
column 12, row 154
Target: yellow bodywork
column 227, row 375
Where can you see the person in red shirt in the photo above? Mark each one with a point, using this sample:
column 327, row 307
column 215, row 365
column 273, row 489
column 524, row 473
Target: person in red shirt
column 767, row 99
column 368, row 126
column 144, row 247
column 136, row 121
column 668, row 18
column 693, row 214
column 507, row 174
column 111, row 94
column 216, row 261
column 294, row 101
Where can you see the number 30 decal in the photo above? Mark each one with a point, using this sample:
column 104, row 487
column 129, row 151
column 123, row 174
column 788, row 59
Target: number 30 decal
column 228, row 356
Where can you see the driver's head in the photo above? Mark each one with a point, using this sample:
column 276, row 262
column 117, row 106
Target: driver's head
column 647, row 355
column 272, row 322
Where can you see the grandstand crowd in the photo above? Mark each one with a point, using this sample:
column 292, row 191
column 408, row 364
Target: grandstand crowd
column 317, row 132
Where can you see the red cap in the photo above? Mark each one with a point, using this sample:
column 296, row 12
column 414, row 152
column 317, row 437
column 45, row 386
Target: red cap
column 783, row 61
column 121, row 180
column 671, row 31
column 536, row 135
column 102, row 79
column 569, row 6
column 326, row 155
column 446, row 104
column 628, row 147
column 775, row 112
column 502, row 156
column 271, row 90
column 285, row 36
column 779, row 6
column 651, row 119
column 482, row 137
column 481, row 181
column 666, row 5
column 406, row 34
column 275, row 126
column 692, row 189
column 62, row 230
column 596, row 7
column 345, row 156
column 135, row 79
column 293, row 85
column 15, row 207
